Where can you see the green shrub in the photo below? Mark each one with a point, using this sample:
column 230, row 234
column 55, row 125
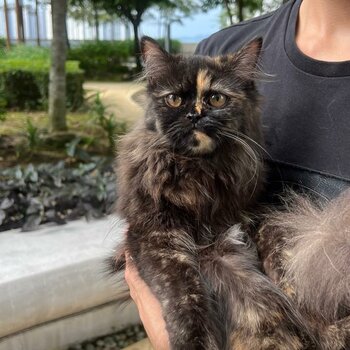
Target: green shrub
column 2, row 107
column 107, row 121
column 27, row 52
column 104, row 59
column 175, row 45
column 2, row 42
column 32, row 134
column 24, row 83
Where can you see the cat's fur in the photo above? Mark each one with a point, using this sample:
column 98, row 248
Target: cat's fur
column 305, row 249
column 186, row 178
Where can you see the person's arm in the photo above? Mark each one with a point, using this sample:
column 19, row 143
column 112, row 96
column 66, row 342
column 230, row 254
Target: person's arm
column 149, row 308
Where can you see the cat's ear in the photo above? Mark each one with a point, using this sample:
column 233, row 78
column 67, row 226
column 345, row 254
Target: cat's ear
column 154, row 56
column 246, row 60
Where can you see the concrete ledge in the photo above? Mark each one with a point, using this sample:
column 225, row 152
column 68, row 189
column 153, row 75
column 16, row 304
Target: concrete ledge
column 49, row 276
column 61, row 333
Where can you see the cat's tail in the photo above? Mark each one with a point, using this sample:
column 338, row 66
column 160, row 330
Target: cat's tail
column 317, row 248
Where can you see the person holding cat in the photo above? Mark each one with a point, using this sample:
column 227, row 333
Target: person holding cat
column 305, row 111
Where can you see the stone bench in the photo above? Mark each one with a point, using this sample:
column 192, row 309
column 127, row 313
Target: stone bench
column 54, row 290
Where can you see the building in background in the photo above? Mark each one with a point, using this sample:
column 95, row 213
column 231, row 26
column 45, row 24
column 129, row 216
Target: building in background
column 37, row 24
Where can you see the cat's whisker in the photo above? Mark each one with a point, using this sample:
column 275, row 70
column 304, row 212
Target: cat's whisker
column 252, row 155
column 250, row 152
column 238, row 133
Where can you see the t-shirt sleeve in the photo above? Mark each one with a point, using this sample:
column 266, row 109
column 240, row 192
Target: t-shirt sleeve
column 200, row 48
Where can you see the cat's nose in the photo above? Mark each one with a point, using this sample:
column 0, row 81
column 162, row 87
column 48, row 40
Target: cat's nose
column 193, row 117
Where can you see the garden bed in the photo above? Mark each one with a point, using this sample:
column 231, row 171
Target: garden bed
column 35, row 194
column 114, row 341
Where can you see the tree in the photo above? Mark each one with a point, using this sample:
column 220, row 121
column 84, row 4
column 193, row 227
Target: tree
column 8, row 40
column 133, row 11
column 91, row 11
column 172, row 13
column 57, row 85
column 37, row 23
column 235, row 8
column 20, row 26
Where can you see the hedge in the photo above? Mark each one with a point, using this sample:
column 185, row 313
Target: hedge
column 109, row 60
column 102, row 60
column 25, row 83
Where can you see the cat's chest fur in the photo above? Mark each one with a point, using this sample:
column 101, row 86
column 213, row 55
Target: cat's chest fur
column 159, row 187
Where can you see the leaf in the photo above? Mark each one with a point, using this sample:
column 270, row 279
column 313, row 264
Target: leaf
column 6, row 203
column 71, row 146
column 35, row 206
column 18, row 173
column 31, row 223
column 31, row 173
column 2, row 216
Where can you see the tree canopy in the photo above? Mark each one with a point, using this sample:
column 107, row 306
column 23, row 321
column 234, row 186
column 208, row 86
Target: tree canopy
column 239, row 9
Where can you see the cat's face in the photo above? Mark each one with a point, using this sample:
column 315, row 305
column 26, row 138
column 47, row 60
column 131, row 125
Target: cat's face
column 196, row 102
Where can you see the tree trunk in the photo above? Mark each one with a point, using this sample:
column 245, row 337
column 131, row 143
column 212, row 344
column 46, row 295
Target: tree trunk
column 167, row 43
column 19, row 17
column 8, row 39
column 57, row 85
column 37, row 23
column 240, row 6
column 97, row 24
column 135, row 25
column 228, row 10
column 66, row 34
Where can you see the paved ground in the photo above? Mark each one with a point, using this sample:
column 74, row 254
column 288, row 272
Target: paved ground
column 119, row 98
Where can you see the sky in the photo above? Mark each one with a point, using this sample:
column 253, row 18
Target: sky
column 192, row 29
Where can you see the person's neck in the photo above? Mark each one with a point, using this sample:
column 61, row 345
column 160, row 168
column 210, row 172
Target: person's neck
column 323, row 29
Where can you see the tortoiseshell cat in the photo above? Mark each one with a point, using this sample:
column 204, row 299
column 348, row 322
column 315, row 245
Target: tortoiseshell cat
column 187, row 175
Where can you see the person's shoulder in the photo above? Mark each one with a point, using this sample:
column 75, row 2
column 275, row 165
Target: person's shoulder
column 232, row 38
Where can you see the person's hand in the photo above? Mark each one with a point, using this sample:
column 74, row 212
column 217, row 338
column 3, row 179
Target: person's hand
column 149, row 308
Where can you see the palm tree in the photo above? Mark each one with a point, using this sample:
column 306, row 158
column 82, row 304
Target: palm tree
column 57, row 85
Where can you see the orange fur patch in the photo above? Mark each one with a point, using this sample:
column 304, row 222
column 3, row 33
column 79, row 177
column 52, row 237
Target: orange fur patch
column 203, row 84
column 205, row 143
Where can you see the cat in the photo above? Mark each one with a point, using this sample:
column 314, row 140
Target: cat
column 187, row 177
column 305, row 250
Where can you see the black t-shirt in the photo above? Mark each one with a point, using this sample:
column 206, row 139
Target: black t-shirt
column 306, row 108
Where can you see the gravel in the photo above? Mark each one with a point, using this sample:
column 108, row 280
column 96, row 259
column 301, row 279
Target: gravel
column 114, row 341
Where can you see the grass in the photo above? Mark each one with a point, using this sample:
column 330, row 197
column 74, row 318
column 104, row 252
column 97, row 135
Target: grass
column 19, row 128
column 16, row 123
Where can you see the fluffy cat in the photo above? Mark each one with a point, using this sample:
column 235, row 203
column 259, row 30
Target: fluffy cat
column 305, row 249
column 187, row 176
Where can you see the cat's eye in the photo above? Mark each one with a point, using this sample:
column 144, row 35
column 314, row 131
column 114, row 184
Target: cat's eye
column 217, row 100
column 173, row 100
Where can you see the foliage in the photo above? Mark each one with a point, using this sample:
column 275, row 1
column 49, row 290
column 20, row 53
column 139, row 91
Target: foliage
column 2, row 107
column 32, row 195
column 24, row 83
column 235, row 9
column 133, row 12
column 91, row 11
column 109, row 60
column 107, row 121
column 2, row 43
column 26, row 52
column 103, row 59
column 175, row 45
column 32, row 135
